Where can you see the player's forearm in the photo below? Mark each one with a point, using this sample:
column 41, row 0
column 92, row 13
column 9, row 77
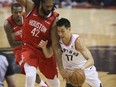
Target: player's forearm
column 57, row 53
column 47, row 52
column 23, row 2
column 90, row 61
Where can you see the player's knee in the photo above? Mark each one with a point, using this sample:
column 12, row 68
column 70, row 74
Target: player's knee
column 54, row 82
column 30, row 78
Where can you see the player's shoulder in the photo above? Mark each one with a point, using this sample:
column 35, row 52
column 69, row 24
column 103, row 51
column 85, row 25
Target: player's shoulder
column 6, row 22
column 75, row 36
column 4, row 57
column 55, row 13
column 54, row 22
column 7, row 26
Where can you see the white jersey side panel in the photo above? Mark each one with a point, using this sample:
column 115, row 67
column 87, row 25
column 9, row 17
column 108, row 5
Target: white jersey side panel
column 71, row 57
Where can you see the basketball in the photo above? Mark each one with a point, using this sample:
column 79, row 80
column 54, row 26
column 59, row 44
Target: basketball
column 77, row 78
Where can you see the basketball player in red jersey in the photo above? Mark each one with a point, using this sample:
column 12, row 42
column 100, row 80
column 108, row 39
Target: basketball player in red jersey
column 40, row 25
column 13, row 27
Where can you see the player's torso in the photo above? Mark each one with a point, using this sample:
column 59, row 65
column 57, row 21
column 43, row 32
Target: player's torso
column 70, row 55
column 17, row 29
column 37, row 28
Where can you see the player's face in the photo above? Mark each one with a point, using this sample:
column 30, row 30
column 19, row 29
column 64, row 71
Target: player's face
column 63, row 32
column 17, row 13
column 47, row 7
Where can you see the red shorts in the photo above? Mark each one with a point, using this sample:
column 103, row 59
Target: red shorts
column 17, row 52
column 36, row 58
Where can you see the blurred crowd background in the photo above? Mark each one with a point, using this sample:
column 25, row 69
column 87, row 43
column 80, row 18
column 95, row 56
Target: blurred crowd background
column 71, row 3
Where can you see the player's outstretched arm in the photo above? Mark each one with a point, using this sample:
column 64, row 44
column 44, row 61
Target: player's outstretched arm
column 56, row 46
column 28, row 4
column 57, row 50
column 23, row 2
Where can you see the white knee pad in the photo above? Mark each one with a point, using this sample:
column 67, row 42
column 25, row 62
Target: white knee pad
column 54, row 82
column 30, row 75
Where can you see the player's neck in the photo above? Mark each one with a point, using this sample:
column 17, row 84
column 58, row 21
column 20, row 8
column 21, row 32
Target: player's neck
column 67, row 40
column 42, row 15
column 18, row 22
column 39, row 12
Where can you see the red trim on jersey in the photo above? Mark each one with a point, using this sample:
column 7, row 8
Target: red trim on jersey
column 28, row 14
column 75, row 42
column 55, row 15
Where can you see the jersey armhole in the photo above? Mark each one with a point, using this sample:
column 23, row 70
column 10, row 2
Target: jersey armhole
column 28, row 14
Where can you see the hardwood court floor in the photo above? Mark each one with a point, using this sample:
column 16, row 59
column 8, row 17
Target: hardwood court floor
column 107, row 80
column 96, row 26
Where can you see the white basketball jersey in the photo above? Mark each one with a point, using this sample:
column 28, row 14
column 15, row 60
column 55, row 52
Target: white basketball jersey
column 71, row 57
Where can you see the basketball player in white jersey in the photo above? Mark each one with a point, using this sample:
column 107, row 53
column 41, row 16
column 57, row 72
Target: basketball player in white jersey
column 75, row 54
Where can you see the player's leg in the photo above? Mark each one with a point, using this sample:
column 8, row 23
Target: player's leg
column 49, row 69
column 92, row 77
column 54, row 82
column 40, row 81
column 32, row 76
column 93, row 83
column 30, row 72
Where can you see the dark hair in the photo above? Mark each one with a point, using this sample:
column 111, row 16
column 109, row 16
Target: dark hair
column 37, row 3
column 16, row 5
column 64, row 22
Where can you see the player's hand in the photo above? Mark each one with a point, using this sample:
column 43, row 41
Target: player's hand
column 43, row 44
column 64, row 73
column 81, row 68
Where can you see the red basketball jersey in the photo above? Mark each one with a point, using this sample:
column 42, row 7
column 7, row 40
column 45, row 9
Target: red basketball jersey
column 37, row 28
column 16, row 28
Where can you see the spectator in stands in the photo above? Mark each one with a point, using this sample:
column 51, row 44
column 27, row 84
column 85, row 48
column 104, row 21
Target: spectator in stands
column 66, row 4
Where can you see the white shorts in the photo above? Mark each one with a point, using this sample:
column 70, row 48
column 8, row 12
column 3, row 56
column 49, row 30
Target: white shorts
column 92, row 77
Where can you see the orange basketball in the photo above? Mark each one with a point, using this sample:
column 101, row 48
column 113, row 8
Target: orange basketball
column 77, row 78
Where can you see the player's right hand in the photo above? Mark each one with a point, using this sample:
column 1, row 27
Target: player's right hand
column 43, row 44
